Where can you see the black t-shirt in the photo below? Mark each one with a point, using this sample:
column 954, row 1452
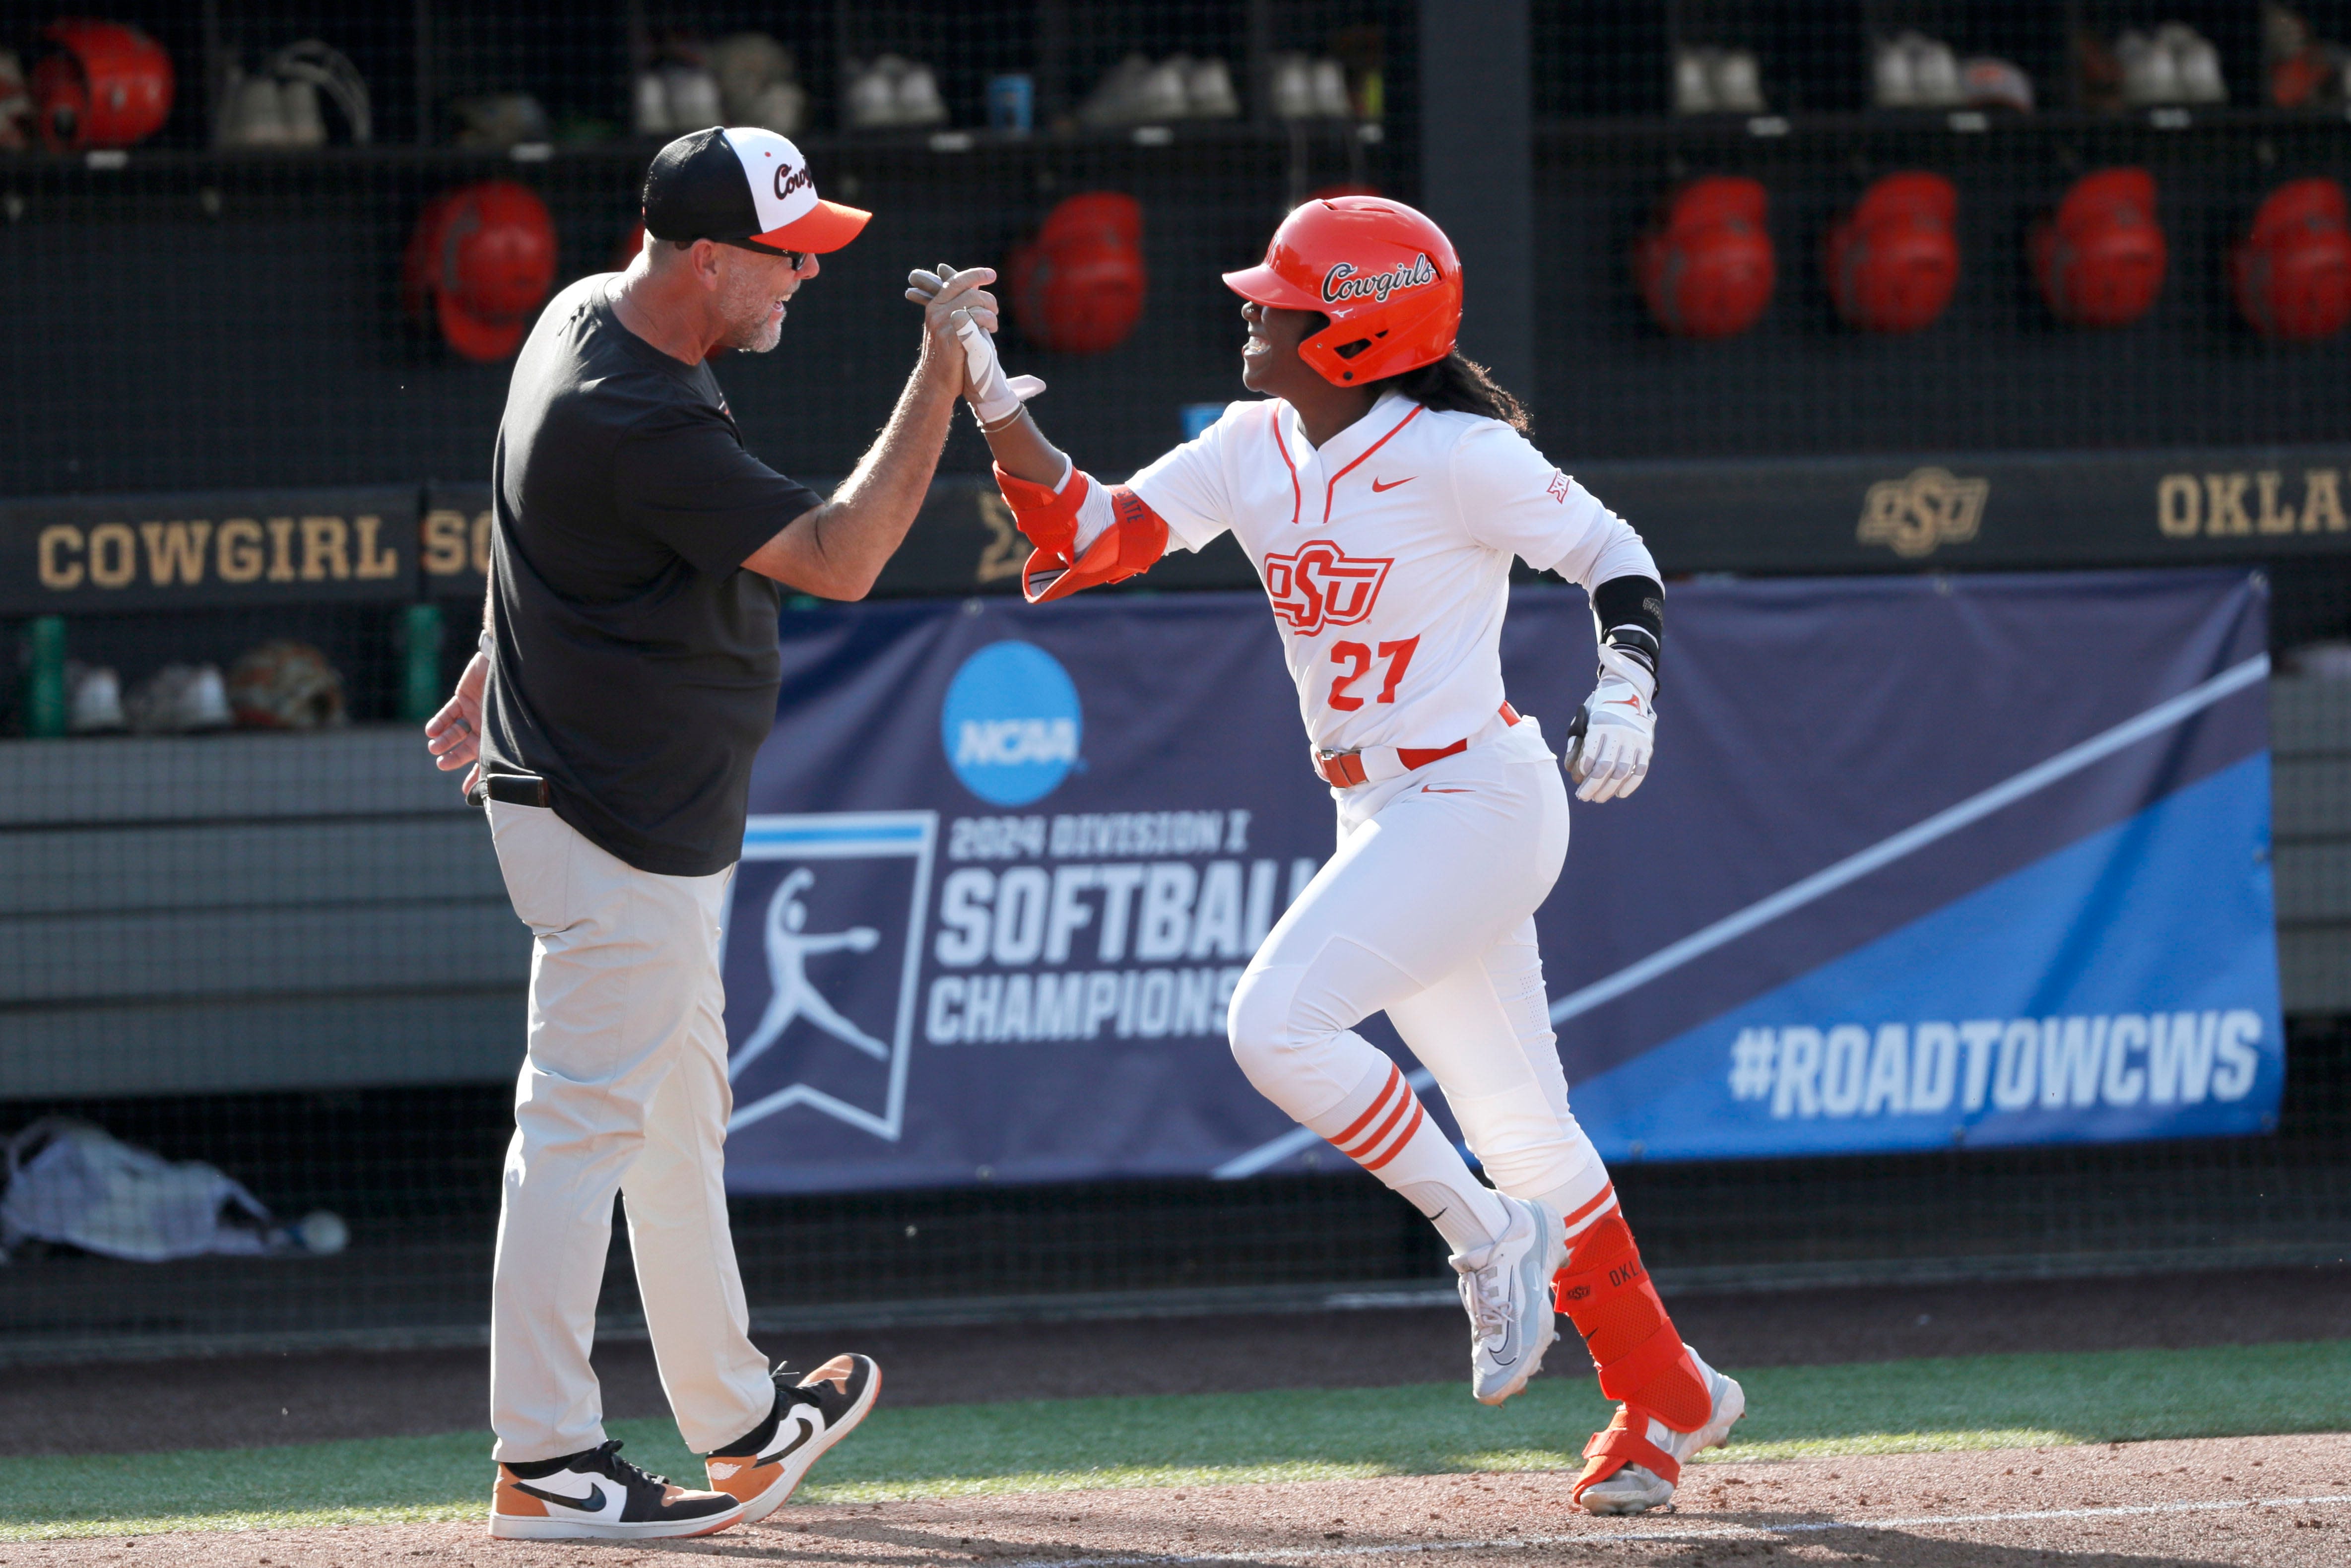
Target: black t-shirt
column 635, row 666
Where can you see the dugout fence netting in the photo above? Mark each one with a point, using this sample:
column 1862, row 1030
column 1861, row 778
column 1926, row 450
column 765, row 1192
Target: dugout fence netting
column 288, row 956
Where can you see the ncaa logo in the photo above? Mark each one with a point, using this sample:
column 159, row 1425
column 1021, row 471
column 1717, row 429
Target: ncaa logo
column 1011, row 724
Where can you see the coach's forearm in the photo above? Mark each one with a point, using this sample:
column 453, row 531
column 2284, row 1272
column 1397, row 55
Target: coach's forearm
column 837, row 550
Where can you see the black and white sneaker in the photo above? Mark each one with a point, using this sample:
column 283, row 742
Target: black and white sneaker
column 811, row 1414
column 599, row 1496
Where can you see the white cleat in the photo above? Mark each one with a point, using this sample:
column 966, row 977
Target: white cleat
column 1636, row 1489
column 1506, row 1290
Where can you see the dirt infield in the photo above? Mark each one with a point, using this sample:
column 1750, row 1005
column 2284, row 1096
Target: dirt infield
column 2278, row 1502
column 254, row 1401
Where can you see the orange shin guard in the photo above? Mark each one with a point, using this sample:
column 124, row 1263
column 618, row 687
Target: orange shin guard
column 1606, row 1293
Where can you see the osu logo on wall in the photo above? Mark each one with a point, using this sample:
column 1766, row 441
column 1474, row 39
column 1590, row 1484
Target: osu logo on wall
column 1318, row 585
column 1932, row 507
column 1011, row 723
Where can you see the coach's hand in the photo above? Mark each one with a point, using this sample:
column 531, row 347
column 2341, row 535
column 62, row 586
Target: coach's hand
column 453, row 736
column 1609, row 748
column 958, row 300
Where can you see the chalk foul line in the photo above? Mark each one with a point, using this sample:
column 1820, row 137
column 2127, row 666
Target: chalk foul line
column 2164, row 716
column 1704, row 1532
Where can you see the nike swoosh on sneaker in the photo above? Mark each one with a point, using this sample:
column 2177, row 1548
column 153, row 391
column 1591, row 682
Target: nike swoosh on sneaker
column 592, row 1503
column 808, row 1431
column 720, row 1471
column 1379, row 485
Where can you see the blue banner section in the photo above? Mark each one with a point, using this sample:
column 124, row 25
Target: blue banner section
column 1921, row 861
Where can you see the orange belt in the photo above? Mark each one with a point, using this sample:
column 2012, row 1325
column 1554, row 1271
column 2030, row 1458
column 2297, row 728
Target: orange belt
column 1345, row 769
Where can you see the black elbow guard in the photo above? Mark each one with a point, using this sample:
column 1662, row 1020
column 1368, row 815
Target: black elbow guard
column 1630, row 612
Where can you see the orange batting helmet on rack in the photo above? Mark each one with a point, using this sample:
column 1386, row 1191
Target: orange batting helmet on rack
column 2293, row 272
column 482, row 259
column 1383, row 273
column 105, row 85
column 2101, row 257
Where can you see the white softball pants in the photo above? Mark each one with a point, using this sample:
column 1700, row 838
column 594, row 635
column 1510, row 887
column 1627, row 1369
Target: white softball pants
column 1426, row 911
column 624, row 1090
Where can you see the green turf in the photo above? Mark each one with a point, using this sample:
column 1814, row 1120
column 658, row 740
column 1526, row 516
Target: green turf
column 1996, row 1401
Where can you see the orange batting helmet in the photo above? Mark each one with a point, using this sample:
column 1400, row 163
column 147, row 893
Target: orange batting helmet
column 1705, row 266
column 2100, row 259
column 483, row 257
column 106, row 85
column 1383, row 273
column 1078, row 287
column 2292, row 271
column 1893, row 261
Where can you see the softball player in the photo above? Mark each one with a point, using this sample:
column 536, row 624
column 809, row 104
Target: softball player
column 1381, row 486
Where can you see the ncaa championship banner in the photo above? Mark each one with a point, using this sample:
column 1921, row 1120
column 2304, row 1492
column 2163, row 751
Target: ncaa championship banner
column 1922, row 861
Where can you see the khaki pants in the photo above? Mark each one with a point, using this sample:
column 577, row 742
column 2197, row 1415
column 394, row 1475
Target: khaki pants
column 625, row 1090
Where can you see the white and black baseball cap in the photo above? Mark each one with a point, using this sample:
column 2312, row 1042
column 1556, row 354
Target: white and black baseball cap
column 743, row 187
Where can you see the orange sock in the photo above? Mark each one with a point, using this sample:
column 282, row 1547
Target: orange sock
column 1606, row 1293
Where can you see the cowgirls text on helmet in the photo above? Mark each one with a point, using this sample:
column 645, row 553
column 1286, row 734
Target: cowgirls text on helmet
column 1383, row 273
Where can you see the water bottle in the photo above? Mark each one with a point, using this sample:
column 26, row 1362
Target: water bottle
column 45, row 677
column 420, row 686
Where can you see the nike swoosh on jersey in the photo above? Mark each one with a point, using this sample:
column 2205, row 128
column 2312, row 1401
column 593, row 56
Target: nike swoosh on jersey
column 1380, row 485
column 592, row 1503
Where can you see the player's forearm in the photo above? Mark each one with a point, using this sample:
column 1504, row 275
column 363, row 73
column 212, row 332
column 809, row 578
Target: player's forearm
column 837, row 550
column 1021, row 450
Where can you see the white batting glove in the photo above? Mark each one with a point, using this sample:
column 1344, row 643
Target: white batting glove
column 1610, row 756
column 994, row 396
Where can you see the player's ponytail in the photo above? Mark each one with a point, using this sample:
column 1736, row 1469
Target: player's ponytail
column 1457, row 385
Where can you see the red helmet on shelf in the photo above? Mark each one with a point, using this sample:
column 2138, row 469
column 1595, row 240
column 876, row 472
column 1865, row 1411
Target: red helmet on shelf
column 2292, row 272
column 106, row 84
column 1383, row 273
column 2100, row 257
column 1893, row 261
column 1705, row 266
column 1078, row 287
column 483, row 256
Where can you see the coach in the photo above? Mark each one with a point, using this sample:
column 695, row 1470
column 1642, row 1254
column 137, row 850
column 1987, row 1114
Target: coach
column 627, row 676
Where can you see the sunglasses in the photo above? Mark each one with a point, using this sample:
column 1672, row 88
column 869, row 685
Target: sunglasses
column 799, row 258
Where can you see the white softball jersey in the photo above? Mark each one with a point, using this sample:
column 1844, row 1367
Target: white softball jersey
column 1386, row 554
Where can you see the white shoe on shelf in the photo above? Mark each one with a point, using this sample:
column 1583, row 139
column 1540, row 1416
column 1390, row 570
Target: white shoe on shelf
column 180, row 699
column 918, row 97
column 1114, row 96
column 1331, row 100
column 1293, row 87
column 1934, row 73
column 1738, row 82
column 93, row 700
column 1208, row 90
column 2194, row 62
column 1891, row 85
column 870, row 100
column 2150, row 71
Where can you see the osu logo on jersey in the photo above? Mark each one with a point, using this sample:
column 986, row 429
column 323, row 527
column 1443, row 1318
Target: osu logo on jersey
column 1317, row 586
